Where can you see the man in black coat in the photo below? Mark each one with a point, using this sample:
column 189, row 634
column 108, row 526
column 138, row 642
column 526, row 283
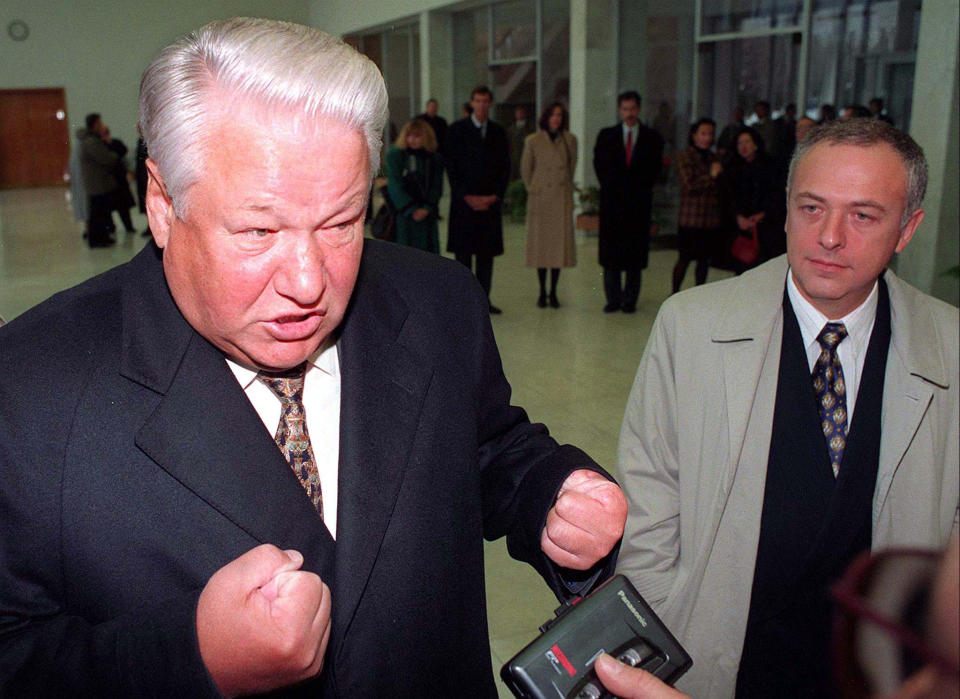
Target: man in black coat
column 627, row 159
column 478, row 166
column 164, row 420
column 437, row 123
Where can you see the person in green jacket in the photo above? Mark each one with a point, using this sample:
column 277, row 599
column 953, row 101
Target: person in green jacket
column 415, row 184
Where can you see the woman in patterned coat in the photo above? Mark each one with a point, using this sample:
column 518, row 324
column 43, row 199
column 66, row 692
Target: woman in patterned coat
column 549, row 158
column 699, row 221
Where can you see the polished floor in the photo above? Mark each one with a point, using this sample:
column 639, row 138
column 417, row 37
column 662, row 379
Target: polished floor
column 571, row 367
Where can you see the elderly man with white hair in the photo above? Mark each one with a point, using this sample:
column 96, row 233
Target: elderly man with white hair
column 264, row 454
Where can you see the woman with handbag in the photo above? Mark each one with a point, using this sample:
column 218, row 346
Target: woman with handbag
column 698, row 220
column 549, row 158
column 415, row 184
column 752, row 180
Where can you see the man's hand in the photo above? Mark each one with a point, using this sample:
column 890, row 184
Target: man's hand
column 262, row 623
column 420, row 214
column 632, row 682
column 480, row 202
column 585, row 522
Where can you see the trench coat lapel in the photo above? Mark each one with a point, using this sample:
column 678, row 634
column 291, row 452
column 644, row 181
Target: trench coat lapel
column 205, row 433
column 751, row 335
column 915, row 365
column 383, row 385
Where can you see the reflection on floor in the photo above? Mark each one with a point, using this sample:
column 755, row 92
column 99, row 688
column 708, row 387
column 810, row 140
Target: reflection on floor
column 571, row 367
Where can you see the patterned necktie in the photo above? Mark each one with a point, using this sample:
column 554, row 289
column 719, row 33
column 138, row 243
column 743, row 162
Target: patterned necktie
column 292, row 437
column 629, row 146
column 831, row 392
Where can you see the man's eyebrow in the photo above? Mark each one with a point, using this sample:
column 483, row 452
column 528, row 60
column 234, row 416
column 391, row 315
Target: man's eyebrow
column 862, row 203
column 251, row 206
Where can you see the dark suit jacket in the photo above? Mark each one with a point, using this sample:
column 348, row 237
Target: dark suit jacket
column 626, row 195
column 476, row 166
column 132, row 467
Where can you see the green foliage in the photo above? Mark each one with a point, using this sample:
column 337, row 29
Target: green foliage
column 515, row 201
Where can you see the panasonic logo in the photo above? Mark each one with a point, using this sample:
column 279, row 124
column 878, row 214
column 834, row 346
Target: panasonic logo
column 633, row 610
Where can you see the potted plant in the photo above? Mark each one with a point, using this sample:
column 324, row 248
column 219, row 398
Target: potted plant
column 589, row 217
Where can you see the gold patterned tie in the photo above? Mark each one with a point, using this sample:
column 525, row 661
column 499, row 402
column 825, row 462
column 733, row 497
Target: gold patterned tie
column 831, row 392
column 292, row 437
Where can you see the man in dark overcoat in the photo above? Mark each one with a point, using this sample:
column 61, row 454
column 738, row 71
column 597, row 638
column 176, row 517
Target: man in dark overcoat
column 478, row 166
column 627, row 160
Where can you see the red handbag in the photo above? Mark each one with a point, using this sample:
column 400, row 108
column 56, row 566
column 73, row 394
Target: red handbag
column 744, row 249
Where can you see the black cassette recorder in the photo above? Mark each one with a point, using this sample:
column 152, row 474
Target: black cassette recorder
column 613, row 619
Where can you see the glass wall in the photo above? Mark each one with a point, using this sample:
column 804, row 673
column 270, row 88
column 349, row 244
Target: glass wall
column 808, row 52
column 519, row 48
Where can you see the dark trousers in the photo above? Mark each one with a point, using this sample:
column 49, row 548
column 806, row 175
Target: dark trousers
column 627, row 294
column 483, row 269
column 100, row 220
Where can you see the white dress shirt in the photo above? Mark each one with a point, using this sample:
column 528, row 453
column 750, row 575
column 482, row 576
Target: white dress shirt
column 321, row 401
column 482, row 125
column 852, row 351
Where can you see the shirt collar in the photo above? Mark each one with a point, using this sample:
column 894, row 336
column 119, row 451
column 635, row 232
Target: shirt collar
column 859, row 322
column 325, row 359
column 478, row 124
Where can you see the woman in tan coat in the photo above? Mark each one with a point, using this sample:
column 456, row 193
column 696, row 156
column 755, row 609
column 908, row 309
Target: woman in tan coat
column 549, row 158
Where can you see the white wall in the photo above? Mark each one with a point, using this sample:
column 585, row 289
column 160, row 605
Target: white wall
column 98, row 50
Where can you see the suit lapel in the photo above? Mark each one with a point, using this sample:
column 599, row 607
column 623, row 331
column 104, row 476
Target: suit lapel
column 204, row 432
column 383, row 385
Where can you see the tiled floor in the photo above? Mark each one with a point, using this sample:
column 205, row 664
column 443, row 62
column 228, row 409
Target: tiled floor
column 571, row 367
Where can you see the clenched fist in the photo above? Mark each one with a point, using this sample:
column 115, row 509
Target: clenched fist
column 262, row 622
column 585, row 522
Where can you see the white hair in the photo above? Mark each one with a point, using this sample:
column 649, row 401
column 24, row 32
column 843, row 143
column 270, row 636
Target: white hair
column 276, row 64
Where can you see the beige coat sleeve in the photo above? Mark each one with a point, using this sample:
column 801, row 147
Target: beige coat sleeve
column 647, row 466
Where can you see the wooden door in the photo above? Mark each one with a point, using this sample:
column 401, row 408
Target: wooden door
column 34, row 137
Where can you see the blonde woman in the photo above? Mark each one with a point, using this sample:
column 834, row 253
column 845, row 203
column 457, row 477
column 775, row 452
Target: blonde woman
column 415, row 184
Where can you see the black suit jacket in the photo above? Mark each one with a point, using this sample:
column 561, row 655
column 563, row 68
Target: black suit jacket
column 626, row 195
column 132, row 467
column 476, row 165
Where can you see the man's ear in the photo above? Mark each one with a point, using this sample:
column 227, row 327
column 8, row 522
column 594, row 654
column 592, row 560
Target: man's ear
column 907, row 231
column 160, row 213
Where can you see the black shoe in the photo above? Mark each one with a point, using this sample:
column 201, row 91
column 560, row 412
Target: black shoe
column 554, row 303
column 629, row 308
column 611, row 308
column 494, row 311
column 542, row 301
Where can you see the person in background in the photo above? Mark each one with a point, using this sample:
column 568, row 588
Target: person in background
column 727, row 141
column 517, row 133
column 754, row 194
column 549, row 159
column 140, row 171
column 627, row 158
column 415, row 185
column 98, row 165
column 804, row 124
column 78, row 193
column 827, row 113
column 478, row 167
column 122, row 200
column 875, row 106
column 766, row 128
column 699, row 218
column 436, row 122
column 855, row 111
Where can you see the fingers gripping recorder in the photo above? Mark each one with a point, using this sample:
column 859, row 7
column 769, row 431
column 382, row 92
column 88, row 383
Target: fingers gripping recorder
column 613, row 619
